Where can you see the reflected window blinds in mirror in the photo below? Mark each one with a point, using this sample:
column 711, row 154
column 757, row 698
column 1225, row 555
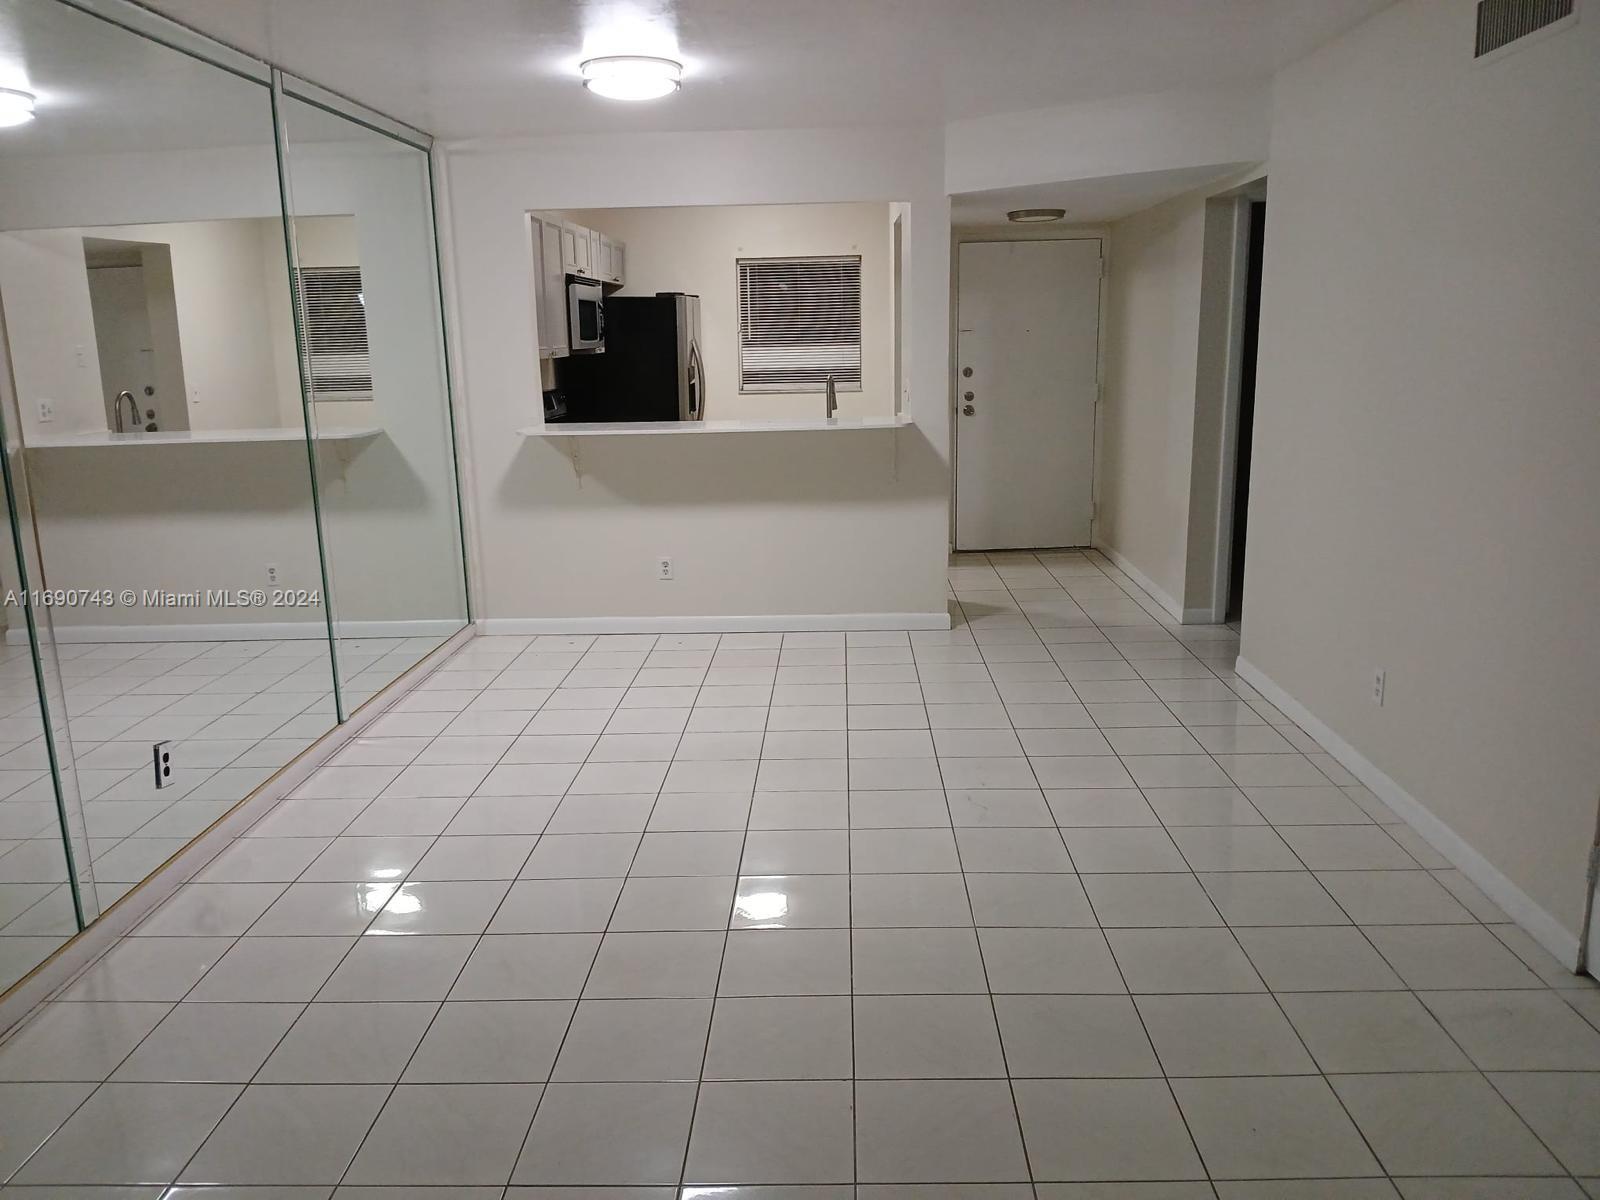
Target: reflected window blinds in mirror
column 799, row 324
column 338, row 363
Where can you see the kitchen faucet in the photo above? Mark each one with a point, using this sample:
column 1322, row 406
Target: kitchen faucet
column 833, row 397
column 133, row 405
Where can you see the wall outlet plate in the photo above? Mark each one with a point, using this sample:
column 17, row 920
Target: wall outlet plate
column 1380, row 681
column 663, row 568
column 47, row 410
column 162, row 753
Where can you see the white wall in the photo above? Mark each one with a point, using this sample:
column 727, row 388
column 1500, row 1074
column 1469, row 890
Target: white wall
column 759, row 524
column 1168, row 310
column 1160, row 131
column 1427, row 446
column 44, row 286
column 1147, row 418
column 221, row 280
column 696, row 250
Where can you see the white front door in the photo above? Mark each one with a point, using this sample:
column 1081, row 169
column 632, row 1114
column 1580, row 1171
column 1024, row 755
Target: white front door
column 1028, row 318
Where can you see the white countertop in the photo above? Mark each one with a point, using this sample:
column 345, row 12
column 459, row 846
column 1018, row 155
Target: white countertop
column 638, row 428
column 185, row 437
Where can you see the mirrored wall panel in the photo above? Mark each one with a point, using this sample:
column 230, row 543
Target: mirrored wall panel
column 186, row 377
column 145, row 282
column 378, row 391
column 47, row 888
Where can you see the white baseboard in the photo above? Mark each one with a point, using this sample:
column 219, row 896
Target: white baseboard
column 256, row 631
column 796, row 623
column 1518, row 905
column 1168, row 605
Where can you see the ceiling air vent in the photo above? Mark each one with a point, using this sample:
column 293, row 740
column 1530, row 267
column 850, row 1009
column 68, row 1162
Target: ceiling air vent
column 1501, row 22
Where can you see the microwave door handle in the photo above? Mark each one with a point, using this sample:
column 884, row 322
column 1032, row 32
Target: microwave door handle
column 697, row 375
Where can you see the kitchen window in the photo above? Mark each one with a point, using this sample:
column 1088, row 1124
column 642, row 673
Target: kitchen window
column 337, row 360
column 799, row 323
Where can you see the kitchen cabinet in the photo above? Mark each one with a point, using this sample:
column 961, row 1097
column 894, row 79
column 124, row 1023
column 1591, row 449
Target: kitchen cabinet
column 549, row 285
column 575, row 248
column 562, row 248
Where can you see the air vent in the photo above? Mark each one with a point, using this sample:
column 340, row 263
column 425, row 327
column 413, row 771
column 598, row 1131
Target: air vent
column 1501, row 22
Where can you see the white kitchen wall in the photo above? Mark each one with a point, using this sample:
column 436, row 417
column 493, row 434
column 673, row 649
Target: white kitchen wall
column 759, row 525
column 1427, row 449
column 220, row 278
column 696, row 250
column 50, row 326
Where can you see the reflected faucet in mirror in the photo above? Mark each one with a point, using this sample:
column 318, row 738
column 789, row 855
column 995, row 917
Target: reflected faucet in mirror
column 133, row 407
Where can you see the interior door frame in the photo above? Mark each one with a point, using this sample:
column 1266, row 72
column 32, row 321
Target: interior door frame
column 1234, row 205
column 960, row 236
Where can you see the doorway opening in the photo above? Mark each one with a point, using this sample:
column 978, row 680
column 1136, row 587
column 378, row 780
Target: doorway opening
column 1244, row 427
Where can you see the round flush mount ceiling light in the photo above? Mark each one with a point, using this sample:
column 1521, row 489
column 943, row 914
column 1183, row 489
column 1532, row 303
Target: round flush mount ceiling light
column 631, row 76
column 16, row 107
column 1035, row 216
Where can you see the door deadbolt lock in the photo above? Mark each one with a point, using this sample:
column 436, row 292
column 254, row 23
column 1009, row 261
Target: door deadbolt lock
column 968, row 410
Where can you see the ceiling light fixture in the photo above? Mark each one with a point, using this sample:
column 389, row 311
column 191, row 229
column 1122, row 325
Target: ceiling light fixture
column 16, row 107
column 1035, row 216
column 631, row 76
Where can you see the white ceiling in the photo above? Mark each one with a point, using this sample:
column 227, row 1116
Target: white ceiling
column 463, row 69
column 1086, row 201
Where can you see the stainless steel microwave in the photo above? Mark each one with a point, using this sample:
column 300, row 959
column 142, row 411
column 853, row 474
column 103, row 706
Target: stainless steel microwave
column 586, row 315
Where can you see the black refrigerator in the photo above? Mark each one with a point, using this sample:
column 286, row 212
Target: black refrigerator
column 651, row 368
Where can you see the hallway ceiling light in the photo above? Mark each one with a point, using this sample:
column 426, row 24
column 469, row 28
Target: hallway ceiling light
column 16, row 107
column 1035, row 216
column 631, row 76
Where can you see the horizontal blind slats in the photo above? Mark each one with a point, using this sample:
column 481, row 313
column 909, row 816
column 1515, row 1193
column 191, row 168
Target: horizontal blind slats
column 338, row 361
column 799, row 322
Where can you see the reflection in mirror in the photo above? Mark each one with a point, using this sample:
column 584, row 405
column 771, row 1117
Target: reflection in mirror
column 145, row 288
column 379, row 393
column 46, row 874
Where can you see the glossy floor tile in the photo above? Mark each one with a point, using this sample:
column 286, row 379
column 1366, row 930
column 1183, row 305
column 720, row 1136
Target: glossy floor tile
column 1051, row 905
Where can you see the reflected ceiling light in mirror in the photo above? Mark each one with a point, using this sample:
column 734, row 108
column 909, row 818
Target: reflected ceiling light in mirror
column 16, row 107
column 631, row 76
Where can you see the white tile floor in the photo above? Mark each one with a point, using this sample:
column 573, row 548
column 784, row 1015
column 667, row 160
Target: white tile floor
column 235, row 711
column 1051, row 905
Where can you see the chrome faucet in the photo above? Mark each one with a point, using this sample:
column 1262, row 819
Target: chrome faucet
column 833, row 397
column 133, row 406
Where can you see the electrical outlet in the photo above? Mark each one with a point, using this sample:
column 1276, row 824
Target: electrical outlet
column 1379, row 682
column 663, row 568
column 272, row 574
column 47, row 410
column 163, row 762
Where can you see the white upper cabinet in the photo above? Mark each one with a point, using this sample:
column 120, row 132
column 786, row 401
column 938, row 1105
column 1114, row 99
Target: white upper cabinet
column 575, row 249
column 561, row 248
